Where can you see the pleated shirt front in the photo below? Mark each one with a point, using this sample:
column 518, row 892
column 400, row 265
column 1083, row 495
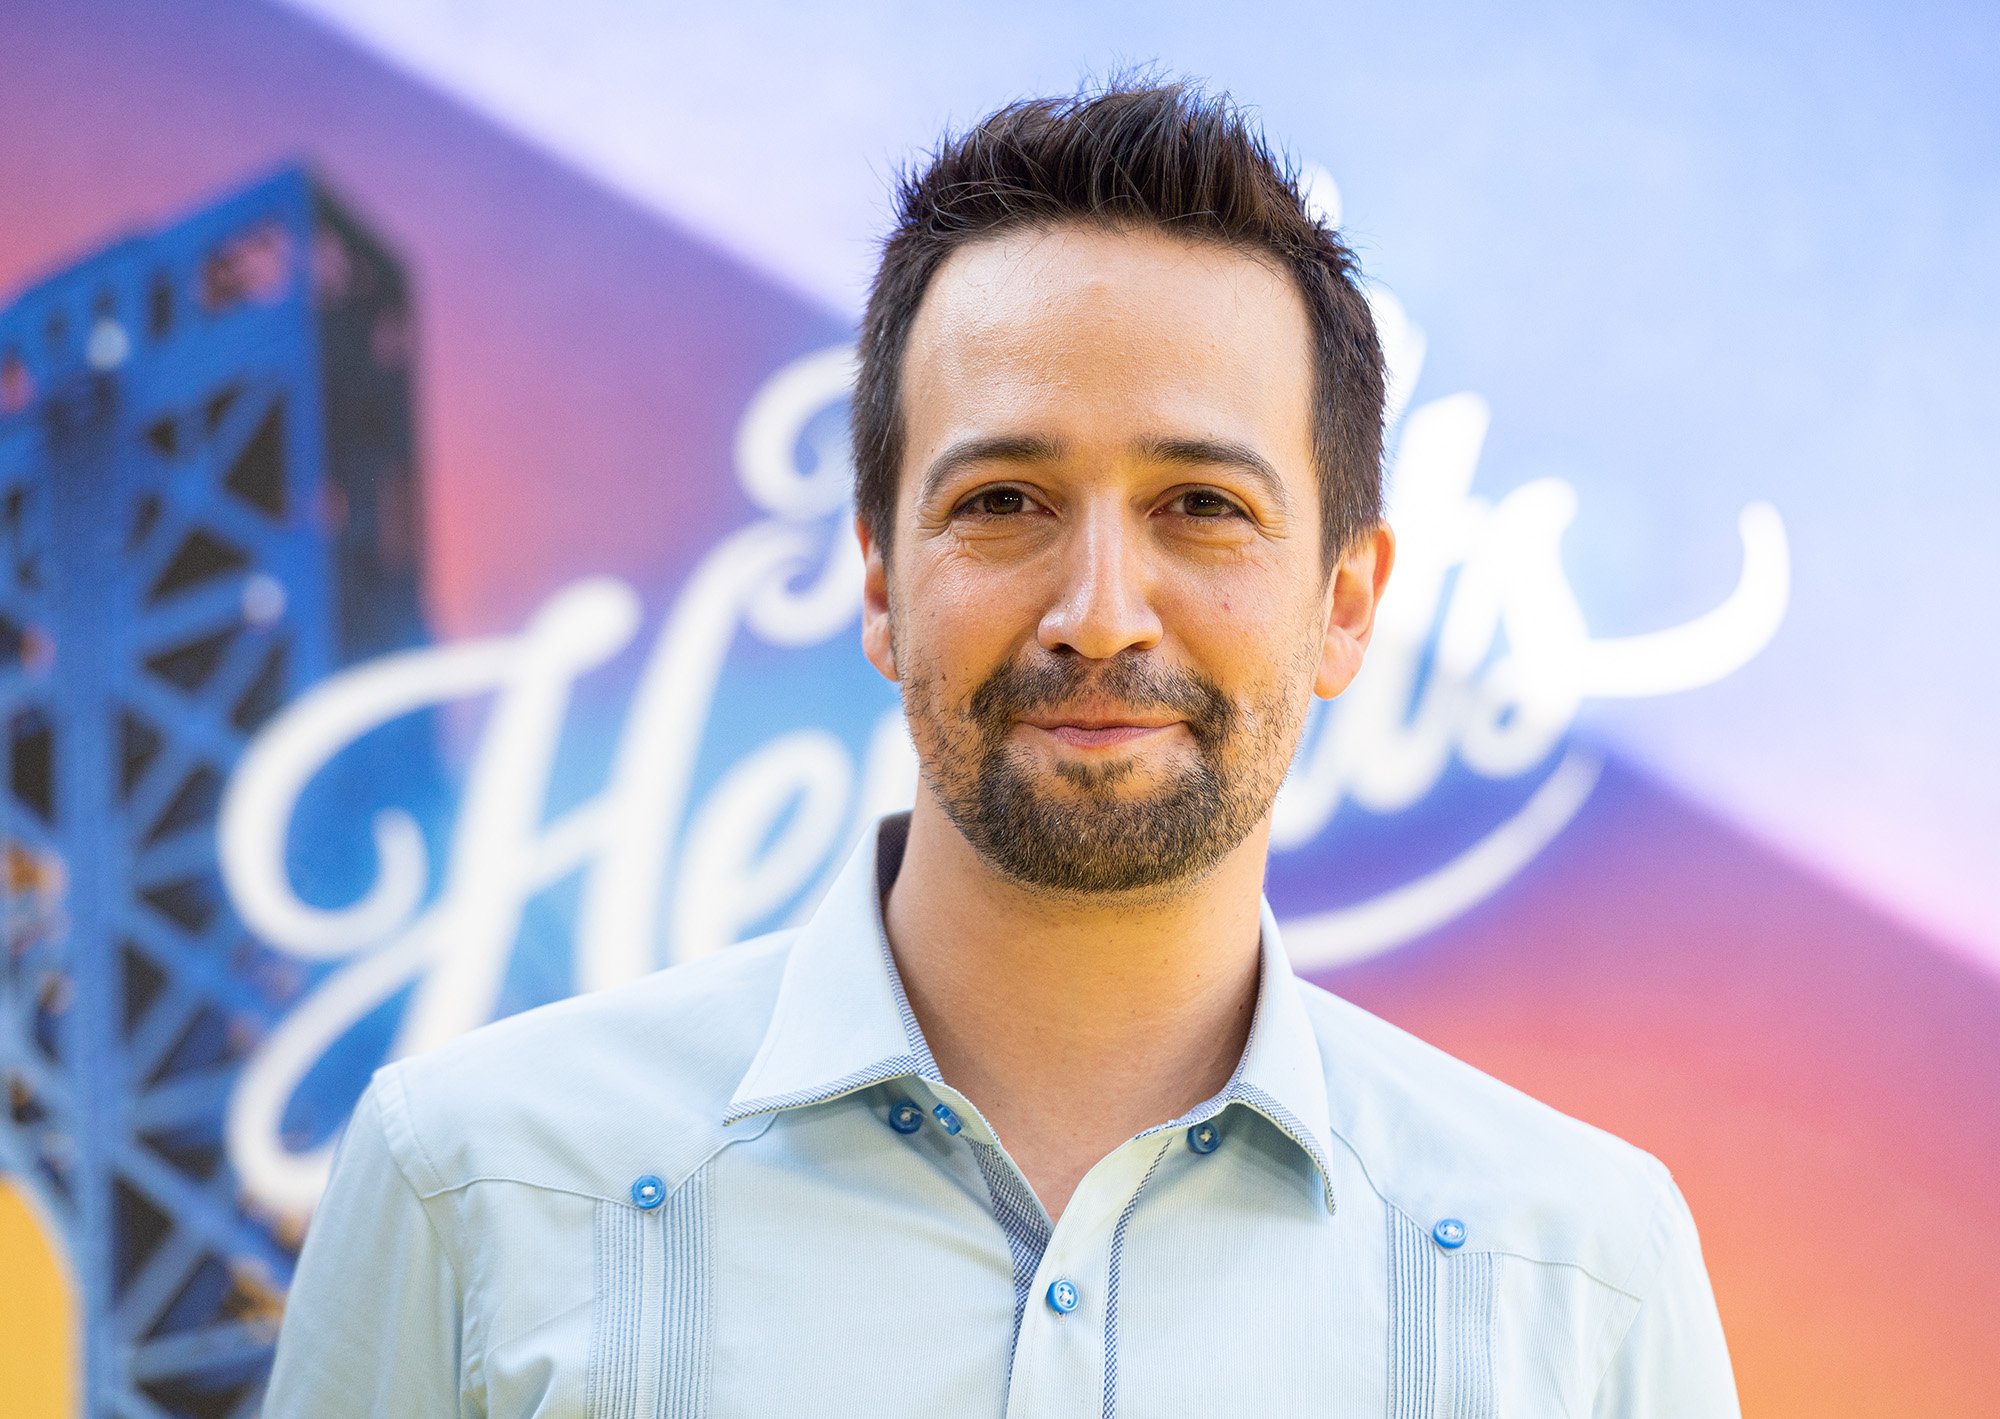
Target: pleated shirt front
column 739, row 1187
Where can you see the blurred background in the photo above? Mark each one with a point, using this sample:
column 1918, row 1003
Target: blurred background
column 426, row 551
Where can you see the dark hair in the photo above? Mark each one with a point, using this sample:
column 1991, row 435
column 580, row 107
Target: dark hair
column 1161, row 155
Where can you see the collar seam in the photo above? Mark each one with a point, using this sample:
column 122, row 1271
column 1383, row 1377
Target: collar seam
column 895, row 1066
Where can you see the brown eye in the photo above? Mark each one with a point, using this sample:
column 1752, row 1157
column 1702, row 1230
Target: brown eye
column 996, row 502
column 1202, row 503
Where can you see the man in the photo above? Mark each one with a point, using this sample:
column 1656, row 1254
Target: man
column 1032, row 1117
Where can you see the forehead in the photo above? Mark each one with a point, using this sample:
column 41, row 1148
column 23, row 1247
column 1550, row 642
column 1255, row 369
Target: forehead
column 1092, row 336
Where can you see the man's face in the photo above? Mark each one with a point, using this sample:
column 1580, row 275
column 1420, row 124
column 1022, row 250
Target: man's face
column 1107, row 606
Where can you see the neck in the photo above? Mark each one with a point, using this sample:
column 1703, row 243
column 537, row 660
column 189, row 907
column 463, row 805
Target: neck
column 1073, row 1024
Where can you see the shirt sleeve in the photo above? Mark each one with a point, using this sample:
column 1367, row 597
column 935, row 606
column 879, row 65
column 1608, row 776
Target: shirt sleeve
column 372, row 1324
column 1673, row 1362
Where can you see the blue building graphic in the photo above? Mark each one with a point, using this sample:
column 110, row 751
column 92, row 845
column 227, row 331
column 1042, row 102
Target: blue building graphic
column 208, row 501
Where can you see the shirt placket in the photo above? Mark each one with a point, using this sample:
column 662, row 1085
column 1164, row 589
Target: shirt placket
column 1068, row 1331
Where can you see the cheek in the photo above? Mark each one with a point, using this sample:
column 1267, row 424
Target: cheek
column 1244, row 630
column 957, row 623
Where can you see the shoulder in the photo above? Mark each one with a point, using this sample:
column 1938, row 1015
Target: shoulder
column 588, row 1093
column 1437, row 1137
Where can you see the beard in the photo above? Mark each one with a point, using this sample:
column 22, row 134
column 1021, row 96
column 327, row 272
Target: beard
column 1083, row 828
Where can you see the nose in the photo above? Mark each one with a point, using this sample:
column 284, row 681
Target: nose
column 1103, row 604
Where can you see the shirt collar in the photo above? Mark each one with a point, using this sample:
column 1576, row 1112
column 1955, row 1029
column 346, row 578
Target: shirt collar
column 841, row 1021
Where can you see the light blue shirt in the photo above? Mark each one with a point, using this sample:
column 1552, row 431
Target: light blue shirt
column 739, row 1188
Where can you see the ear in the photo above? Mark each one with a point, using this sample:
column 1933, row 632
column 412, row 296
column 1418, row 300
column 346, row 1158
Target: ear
column 876, row 641
column 1351, row 602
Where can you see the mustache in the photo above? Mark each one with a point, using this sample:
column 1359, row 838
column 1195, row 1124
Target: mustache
column 1129, row 679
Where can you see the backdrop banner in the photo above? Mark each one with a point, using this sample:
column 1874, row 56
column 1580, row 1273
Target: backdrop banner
column 429, row 591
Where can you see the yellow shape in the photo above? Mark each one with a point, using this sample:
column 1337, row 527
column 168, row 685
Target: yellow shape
column 38, row 1340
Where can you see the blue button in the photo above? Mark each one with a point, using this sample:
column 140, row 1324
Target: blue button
column 905, row 1117
column 949, row 1119
column 649, row 1192
column 1204, row 1138
column 1450, row 1233
column 1062, row 1297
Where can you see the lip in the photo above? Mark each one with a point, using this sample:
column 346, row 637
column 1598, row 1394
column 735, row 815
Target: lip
column 1100, row 736
column 1098, row 729
column 1098, row 719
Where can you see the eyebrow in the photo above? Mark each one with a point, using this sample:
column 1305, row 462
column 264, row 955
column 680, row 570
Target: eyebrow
column 1221, row 453
column 1029, row 448
column 1002, row 448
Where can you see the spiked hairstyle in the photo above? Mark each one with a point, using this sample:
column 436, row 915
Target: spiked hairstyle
column 1130, row 155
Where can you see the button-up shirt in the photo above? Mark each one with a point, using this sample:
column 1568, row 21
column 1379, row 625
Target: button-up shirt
column 740, row 1187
